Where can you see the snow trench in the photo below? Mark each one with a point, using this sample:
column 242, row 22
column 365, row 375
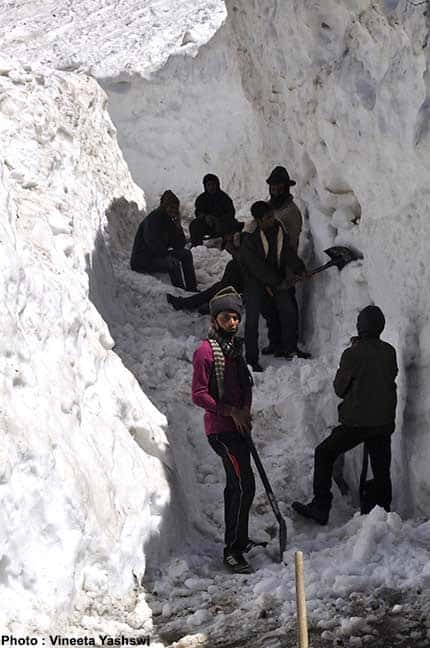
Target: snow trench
column 106, row 476
column 337, row 94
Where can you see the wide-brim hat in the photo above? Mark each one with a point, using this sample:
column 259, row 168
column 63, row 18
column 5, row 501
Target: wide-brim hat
column 280, row 175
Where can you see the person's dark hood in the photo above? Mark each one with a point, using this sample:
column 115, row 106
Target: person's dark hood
column 211, row 177
column 370, row 322
column 169, row 198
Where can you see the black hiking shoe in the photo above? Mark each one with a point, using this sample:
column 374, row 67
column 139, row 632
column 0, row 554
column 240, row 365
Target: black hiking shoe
column 236, row 563
column 204, row 310
column 299, row 353
column 282, row 354
column 313, row 511
column 256, row 366
column 251, row 544
column 176, row 302
column 270, row 349
column 289, row 355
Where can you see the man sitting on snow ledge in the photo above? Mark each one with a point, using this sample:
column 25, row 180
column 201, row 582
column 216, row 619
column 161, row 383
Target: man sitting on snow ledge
column 159, row 245
column 365, row 381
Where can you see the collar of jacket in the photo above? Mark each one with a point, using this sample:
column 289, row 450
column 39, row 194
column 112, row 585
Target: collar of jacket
column 279, row 243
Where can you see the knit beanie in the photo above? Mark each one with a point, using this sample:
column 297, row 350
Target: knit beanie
column 370, row 322
column 226, row 299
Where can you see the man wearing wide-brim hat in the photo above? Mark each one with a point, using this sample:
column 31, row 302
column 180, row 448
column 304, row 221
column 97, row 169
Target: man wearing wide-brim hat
column 283, row 205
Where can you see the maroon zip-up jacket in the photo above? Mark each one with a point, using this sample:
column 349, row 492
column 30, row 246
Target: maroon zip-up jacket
column 216, row 418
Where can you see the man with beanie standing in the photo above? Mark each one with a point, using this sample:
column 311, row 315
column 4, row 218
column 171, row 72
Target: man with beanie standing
column 365, row 381
column 159, row 245
column 214, row 210
column 269, row 267
column 222, row 387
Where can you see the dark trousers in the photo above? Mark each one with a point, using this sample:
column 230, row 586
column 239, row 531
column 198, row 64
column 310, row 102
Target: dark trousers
column 281, row 314
column 232, row 277
column 343, row 438
column 178, row 264
column 240, row 486
column 199, row 227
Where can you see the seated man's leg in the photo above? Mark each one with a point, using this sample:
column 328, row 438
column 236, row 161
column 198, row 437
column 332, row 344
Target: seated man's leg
column 195, row 301
column 139, row 265
column 379, row 448
column 198, row 228
column 185, row 257
column 170, row 265
column 288, row 311
column 253, row 298
column 232, row 276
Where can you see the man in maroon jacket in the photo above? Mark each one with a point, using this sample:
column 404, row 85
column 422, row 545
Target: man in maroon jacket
column 222, row 387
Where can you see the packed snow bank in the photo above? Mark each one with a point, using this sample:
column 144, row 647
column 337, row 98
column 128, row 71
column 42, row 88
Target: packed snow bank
column 189, row 119
column 106, row 37
column 79, row 498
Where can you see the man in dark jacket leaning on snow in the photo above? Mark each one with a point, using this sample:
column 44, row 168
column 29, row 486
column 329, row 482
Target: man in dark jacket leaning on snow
column 365, row 381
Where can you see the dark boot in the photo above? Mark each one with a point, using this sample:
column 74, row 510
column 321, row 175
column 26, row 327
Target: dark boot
column 254, row 543
column 299, row 353
column 256, row 366
column 281, row 354
column 270, row 349
column 176, row 302
column 314, row 511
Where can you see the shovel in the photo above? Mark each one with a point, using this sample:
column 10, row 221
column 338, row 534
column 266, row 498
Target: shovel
column 271, row 498
column 339, row 255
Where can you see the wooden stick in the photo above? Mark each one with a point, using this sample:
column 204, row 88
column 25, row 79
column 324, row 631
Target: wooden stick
column 302, row 623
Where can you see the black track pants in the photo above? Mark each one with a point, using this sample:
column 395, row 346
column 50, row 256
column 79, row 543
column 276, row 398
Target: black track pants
column 240, row 486
column 344, row 438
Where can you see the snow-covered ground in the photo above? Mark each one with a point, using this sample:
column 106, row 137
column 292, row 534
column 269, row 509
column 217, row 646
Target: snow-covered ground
column 100, row 534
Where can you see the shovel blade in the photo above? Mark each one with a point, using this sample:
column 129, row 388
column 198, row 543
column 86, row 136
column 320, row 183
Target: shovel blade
column 340, row 256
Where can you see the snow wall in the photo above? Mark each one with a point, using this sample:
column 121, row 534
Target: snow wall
column 80, row 501
column 340, row 95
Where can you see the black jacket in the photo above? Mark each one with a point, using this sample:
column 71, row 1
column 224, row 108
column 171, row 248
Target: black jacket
column 157, row 233
column 366, row 382
column 219, row 205
column 254, row 264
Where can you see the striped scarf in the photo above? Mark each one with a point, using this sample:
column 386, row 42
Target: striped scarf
column 231, row 348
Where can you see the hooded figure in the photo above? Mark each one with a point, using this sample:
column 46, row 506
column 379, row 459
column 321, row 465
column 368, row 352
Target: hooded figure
column 365, row 381
column 159, row 245
column 222, row 387
column 214, row 210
